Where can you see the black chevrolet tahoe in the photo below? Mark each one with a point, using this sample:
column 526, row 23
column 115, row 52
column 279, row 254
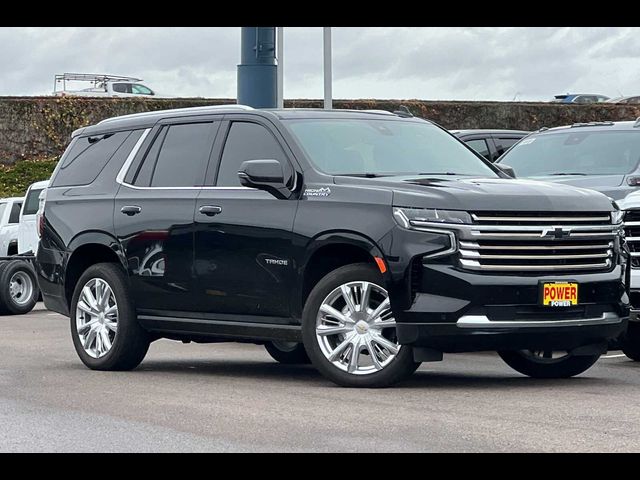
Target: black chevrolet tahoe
column 362, row 242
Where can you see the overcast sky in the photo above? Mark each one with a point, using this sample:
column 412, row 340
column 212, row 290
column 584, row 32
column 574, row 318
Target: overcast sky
column 531, row 63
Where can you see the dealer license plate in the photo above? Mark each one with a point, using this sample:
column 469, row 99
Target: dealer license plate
column 559, row 294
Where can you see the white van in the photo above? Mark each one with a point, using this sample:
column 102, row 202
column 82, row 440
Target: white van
column 28, row 228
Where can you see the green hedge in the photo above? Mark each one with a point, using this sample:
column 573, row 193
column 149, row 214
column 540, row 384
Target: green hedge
column 15, row 179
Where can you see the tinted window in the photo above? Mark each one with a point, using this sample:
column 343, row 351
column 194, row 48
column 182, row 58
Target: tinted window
column 590, row 153
column 122, row 87
column 246, row 141
column 32, row 202
column 3, row 207
column 391, row 147
column 480, row 146
column 14, row 216
column 183, row 155
column 86, row 157
column 503, row 144
column 145, row 170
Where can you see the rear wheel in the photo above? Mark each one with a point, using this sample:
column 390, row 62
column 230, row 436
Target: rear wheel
column 18, row 287
column 548, row 363
column 105, row 331
column 289, row 353
column 631, row 342
column 349, row 330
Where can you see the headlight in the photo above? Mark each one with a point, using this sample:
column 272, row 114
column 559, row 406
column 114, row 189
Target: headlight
column 414, row 217
column 617, row 216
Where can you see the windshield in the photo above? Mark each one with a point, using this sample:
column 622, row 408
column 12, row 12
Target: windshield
column 575, row 152
column 384, row 147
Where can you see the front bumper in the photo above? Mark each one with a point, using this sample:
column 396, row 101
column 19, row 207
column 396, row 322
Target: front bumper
column 439, row 305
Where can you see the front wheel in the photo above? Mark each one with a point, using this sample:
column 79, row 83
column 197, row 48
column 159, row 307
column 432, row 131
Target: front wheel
column 631, row 342
column 349, row 331
column 547, row 363
column 287, row 353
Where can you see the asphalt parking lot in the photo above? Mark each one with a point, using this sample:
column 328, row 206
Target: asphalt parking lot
column 233, row 397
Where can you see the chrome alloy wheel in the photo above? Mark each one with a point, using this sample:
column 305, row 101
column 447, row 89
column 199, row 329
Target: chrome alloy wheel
column 97, row 318
column 21, row 288
column 355, row 328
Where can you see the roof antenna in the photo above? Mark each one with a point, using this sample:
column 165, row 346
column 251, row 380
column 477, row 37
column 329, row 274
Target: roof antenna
column 403, row 111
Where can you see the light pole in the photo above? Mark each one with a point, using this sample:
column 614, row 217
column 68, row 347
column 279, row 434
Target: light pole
column 328, row 95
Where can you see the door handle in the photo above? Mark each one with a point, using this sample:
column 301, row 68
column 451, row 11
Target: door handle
column 131, row 210
column 210, row 210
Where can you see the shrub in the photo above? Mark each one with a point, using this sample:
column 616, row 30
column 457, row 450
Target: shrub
column 15, row 179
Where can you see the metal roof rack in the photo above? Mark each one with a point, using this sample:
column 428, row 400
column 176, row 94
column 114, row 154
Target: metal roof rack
column 204, row 109
column 591, row 124
column 96, row 79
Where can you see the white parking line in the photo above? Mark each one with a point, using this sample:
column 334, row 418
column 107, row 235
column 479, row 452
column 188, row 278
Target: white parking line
column 614, row 356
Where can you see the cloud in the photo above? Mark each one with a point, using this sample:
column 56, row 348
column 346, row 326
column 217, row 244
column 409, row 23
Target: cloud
column 428, row 63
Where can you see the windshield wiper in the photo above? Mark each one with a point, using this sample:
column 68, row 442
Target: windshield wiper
column 363, row 175
column 565, row 173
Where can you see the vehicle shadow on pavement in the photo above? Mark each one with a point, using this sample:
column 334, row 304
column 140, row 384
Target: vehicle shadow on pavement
column 434, row 380
column 251, row 370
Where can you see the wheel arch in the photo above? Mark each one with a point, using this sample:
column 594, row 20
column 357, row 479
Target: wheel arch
column 87, row 249
column 331, row 250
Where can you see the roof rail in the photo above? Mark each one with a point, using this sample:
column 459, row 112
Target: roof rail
column 591, row 124
column 380, row 112
column 204, row 109
column 542, row 129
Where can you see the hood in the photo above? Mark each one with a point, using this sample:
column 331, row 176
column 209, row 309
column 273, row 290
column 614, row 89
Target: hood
column 585, row 181
column 612, row 186
column 485, row 194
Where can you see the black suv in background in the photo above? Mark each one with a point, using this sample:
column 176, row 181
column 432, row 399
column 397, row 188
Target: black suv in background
column 365, row 243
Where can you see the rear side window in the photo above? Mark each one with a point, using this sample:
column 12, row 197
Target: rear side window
column 86, row 157
column 480, row 146
column 3, row 207
column 32, row 202
column 122, row 87
column 14, row 216
column 178, row 156
column 503, row 144
column 246, row 141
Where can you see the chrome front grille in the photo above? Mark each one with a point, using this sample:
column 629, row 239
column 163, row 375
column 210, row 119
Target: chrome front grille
column 632, row 235
column 538, row 242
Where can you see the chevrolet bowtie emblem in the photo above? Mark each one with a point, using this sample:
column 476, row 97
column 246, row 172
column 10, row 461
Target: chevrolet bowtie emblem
column 556, row 232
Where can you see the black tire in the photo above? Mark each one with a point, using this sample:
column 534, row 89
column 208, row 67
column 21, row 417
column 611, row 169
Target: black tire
column 631, row 342
column 131, row 341
column 23, row 274
column 563, row 367
column 288, row 353
column 401, row 367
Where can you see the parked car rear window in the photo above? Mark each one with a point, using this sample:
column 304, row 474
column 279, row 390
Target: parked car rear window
column 503, row 144
column 392, row 147
column 122, row 87
column 3, row 207
column 589, row 153
column 14, row 216
column 183, row 155
column 32, row 202
column 86, row 157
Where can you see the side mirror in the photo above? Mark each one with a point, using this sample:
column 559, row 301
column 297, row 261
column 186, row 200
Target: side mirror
column 265, row 175
column 506, row 169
